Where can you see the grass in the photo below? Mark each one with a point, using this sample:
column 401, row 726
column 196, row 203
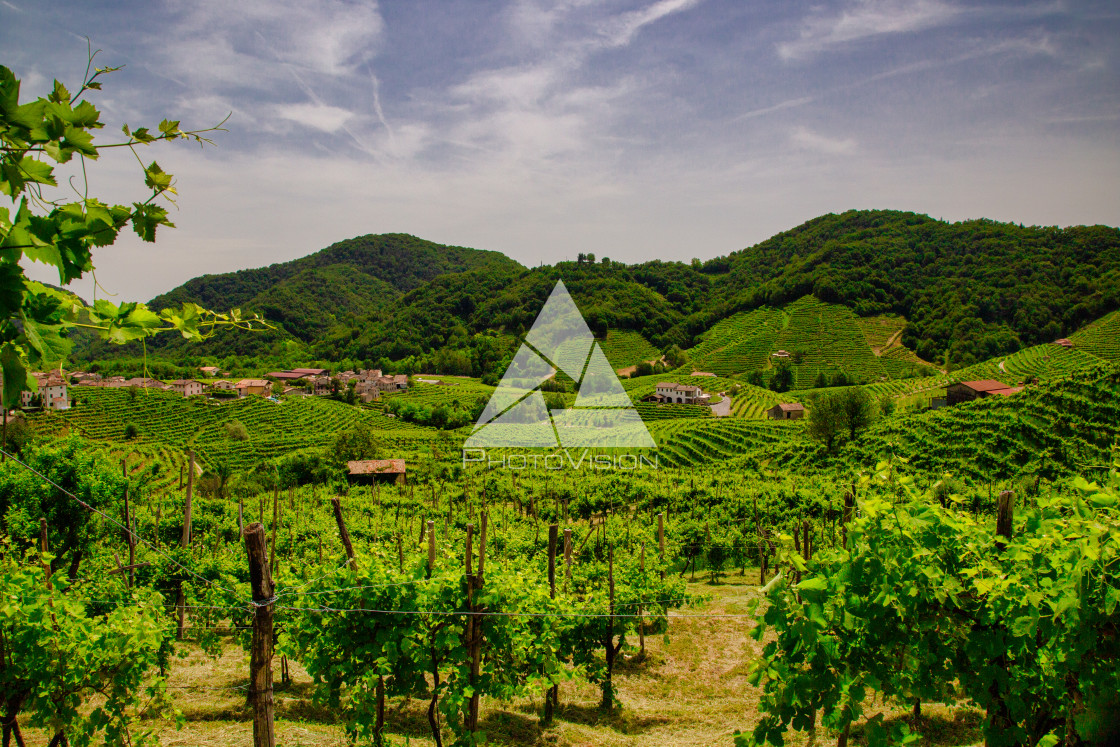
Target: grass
column 690, row 689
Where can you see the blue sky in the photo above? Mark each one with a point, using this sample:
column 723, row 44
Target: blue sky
column 635, row 129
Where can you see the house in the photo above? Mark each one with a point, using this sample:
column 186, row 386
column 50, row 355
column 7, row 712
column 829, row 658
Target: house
column 683, row 394
column 966, row 391
column 209, row 370
column 393, row 383
column 187, row 387
column 320, row 385
column 780, row 354
column 52, row 392
column 246, row 387
column 368, row 471
column 367, row 391
column 224, row 385
column 1067, row 344
column 285, row 375
column 115, row 382
column 145, row 383
column 309, row 371
column 787, row 411
column 702, row 373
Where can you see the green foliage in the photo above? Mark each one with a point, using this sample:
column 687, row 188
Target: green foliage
column 34, row 318
column 237, row 431
column 82, row 674
column 927, row 599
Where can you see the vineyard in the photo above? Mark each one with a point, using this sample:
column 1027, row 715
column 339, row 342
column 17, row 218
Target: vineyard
column 625, row 348
column 1101, row 338
column 272, row 428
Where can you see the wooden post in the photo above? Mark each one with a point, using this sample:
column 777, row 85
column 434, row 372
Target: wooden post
column 475, row 627
column 641, row 611
column 129, row 533
column 342, row 532
column 260, row 660
column 274, row 535
column 849, row 506
column 186, row 541
column 567, row 558
column 552, row 700
column 468, row 559
column 998, row 717
column 43, row 547
column 611, row 649
column 661, row 540
column 431, row 547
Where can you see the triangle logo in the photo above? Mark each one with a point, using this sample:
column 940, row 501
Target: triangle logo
column 516, row 414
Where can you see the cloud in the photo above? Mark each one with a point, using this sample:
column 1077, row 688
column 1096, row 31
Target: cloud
column 864, row 19
column 318, row 116
column 806, row 139
column 242, row 44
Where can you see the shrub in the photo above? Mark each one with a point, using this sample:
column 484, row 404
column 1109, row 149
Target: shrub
column 237, row 431
column 131, row 431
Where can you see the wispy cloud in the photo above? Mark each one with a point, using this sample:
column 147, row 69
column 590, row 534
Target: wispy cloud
column 863, row 19
column 318, row 116
column 806, row 139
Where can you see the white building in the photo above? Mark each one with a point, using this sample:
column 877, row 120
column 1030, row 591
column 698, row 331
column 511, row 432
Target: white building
column 681, row 394
column 52, row 390
column 186, row 387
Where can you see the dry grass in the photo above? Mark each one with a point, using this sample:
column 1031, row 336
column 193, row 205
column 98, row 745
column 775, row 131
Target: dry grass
column 690, row 689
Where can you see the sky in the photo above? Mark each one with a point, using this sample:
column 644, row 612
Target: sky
column 633, row 129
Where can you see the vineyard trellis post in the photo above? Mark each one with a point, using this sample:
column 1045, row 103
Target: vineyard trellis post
column 567, row 558
column 260, row 661
column 474, row 621
column 661, row 541
column 343, row 533
column 641, row 610
column 552, row 699
column 431, row 547
column 184, row 544
column 998, row 717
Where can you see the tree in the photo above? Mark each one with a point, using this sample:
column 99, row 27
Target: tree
column 782, row 379
column 590, row 258
column 824, row 419
column 43, row 227
column 857, row 410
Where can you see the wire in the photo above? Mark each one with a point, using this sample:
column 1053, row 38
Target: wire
column 464, row 613
column 129, row 531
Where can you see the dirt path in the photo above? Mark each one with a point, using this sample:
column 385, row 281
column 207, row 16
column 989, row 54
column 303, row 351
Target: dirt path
column 722, row 408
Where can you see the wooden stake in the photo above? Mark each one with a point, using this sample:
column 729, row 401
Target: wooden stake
column 641, row 611
column 567, row 558
column 260, row 661
column 661, row 540
column 998, row 717
column 345, row 535
column 552, row 700
column 431, row 547
column 275, row 533
column 475, row 628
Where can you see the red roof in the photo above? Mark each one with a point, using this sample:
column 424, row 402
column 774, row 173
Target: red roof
column 984, row 385
column 377, row 467
column 286, row 375
column 310, row 371
column 1006, row 391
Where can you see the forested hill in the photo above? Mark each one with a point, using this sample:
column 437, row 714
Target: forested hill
column 971, row 291
column 974, row 289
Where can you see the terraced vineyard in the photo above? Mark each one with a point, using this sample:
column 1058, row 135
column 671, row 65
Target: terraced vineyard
column 1048, row 361
column 740, row 343
column 625, row 348
column 165, row 419
column 881, row 331
column 651, row 411
column 1072, row 423
column 641, row 388
column 1101, row 338
column 683, row 443
column 463, row 391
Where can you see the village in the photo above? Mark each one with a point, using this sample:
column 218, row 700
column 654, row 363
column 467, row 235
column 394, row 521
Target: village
column 367, row 385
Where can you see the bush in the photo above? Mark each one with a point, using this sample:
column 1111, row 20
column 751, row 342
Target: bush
column 131, row 431
column 237, row 431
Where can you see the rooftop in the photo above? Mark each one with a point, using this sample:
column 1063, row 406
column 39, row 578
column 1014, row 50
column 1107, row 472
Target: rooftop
column 377, row 467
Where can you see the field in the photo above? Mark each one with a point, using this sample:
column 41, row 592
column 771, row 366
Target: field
column 1101, row 338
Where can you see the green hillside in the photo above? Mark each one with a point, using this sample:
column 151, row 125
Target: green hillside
column 972, row 290
column 1101, row 338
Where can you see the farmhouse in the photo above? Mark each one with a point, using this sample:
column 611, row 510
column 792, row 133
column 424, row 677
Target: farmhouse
column 781, row 354
column 252, row 386
column 320, row 384
column 285, row 375
column 309, row 371
column 209, row 370
column 369, row 471
column 1065, row 343
column 683, row 394
column 186, row 387
column 52, row 391
column 367, row 391
column 966, row 391
column 393, row 383
column 224, row 385
column 787, row 411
